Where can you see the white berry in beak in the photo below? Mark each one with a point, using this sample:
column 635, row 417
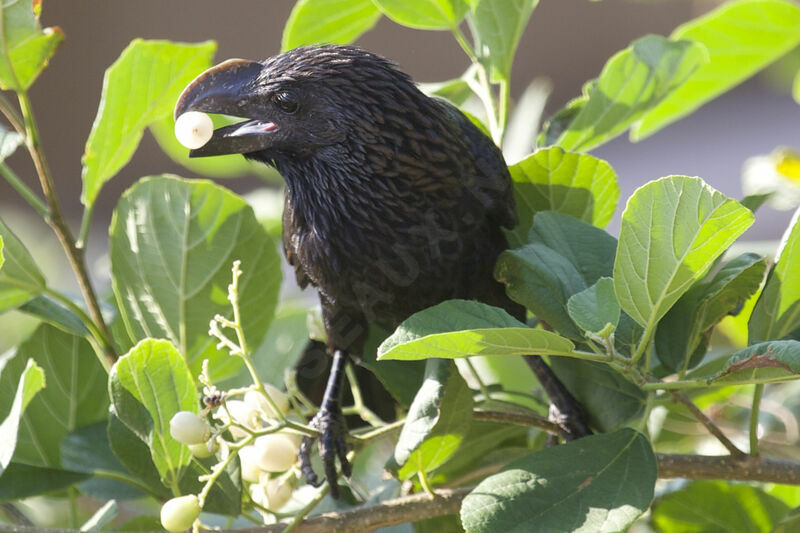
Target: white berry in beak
column 193, row 129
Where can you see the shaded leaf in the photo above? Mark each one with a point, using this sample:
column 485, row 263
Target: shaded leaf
column 140, row 87
column 608, row 399
column 634, row 81
column 679, row 339
column 498, row 26
column 600, row 483
column 30, row 382
column 437, row 421
column 25, row 48
column 765, row 362
column 542, row 280
column 717, row 507
column 135, row 455
column 777, row 311
column 225, row 497
column 437, row 332
column 424, row 14
column 20, row 278
column 740, row 38
column 672, row 231
column 157, row 376
column 75, row 394
column 551, row 179
column 595, row 307
column 23, row 481
column 402, row 379
column 56, row 314
column 172, row 246
column 328, row 21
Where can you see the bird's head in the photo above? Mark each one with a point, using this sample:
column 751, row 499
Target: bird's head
column 297, row 102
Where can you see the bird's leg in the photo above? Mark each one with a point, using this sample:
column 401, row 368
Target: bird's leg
column 564, row 408
column 330, row 423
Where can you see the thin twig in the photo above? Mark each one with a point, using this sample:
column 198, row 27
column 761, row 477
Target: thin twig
column 518, row 418
column 709, row 425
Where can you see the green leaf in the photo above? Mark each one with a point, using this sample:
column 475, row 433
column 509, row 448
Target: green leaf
column 672, row 231
column 765, row 362
column 796, row 87
column 55, row 314
column 633, row 81
column 25, row 48
column 600, row 483
column 718, row 507
column 172, row 246
column 741, row 38
column 596, row 307
column 225, row 496
column 135, row 455
column 401, row 379
column 591, row 250
column 20, row 278
column 459, row 328
column 551, row 179
column 542, row 280
column 221, row 166
column 608, row 399
column 777, row 311
column 141, row 87
column 424, row 14
column 23, row 481
column 498, row 25
column 30, row 382
column 157, row 376
column 438, row 420
column 328, row 21
column 75, row 394
column 681, row 337
column 456, row 91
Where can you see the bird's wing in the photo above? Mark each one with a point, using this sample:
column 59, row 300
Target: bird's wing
column 289, row 246
column 492, row 183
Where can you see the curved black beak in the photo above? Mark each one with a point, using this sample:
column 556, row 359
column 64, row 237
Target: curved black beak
column 229, row 88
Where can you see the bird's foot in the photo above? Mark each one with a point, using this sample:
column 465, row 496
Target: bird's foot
column 332, row 430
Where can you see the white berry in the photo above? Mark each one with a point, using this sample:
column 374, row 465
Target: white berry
column 188, row 428
column 194, row 129
column 276, row 493
column 248, row 458
column 179, row 513
column 276, row 452
column 256, row 400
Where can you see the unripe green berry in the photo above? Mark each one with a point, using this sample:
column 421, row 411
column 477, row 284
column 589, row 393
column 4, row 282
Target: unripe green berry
column 188, row 428
column 178, row 514
column 204, row 449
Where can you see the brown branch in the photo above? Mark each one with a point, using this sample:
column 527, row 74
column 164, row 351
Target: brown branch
column 518, row 418
column 743, row 468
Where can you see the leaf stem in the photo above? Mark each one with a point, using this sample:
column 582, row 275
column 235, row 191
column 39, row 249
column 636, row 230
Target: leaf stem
column 366, row 414
column 300, row 516
column 26, row 192
column 758, row 392
column 57, row 222
column 426, row 484
column 86, row 225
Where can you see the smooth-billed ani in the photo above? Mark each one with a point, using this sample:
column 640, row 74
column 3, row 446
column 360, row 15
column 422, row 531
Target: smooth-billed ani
column 395, row 201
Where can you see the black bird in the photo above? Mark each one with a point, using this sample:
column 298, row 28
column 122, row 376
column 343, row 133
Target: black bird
column 395, row 201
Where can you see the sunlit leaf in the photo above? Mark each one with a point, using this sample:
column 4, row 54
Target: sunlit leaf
column 498, row 25
column 328, row 21
column 595, row 307
column 140, row 87
column 30, row 382
column 424, row 14
column 20, row 278
column 765, row 362
column 25, row 48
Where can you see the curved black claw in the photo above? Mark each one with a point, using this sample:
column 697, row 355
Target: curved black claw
column 332, row 429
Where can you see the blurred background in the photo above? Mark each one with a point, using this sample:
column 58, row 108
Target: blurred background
column 567, row 42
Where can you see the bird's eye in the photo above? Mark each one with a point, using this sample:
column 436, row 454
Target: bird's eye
column 286, row 102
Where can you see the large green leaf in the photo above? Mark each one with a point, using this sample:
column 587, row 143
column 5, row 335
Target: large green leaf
column 741, row 38
column 542, row 280
column 596, row 308
column 438, row 420
column 30, row 382
column 498, row 25
column 718, row 507
column 156, row 375
column 134, row 454
column 424, row 14
column 328, row 21
column 551, row 179
column 139, row 88
column 25, row 48
column 20, row 278
column 23, row 481
column 777, row 311
column 172, row 246
column 765, row 362
column 600, row 483
column 459, row 328
column 682, row 335
column 75, row 394
column 632, row 82
column 672, row 231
